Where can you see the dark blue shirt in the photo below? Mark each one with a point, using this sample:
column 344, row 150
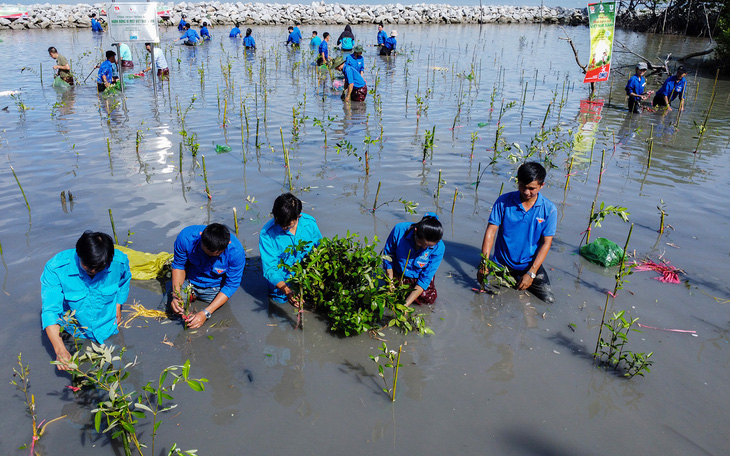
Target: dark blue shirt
column 96, row 26
column 204, row 32
column 390, row 43
column 382, row 36
column 352, row 76
column 323, row 48
column 673, row 88
column 420, row 264
column 636, row 85
column 293, row 38
column 298, row 34
column 235, row 31
column 181, row 25
column 105, row 69
column 358, row 64
column 191, row 35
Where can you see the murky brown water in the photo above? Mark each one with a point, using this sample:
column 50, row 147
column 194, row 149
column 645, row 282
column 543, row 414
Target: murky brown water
column 502, row 375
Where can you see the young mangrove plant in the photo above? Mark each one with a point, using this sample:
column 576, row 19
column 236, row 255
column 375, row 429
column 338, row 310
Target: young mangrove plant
column 662, row 214
column 500, row 274
column 428, row 139
column 613, row 352
column 596, row 217
column 391, row 360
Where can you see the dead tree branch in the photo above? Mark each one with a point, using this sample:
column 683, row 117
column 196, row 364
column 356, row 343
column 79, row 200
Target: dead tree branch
column 575, row 51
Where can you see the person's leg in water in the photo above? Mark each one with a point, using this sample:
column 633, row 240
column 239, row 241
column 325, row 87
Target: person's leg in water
column 540, row 284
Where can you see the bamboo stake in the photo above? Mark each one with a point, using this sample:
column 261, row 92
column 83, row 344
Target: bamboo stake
column 235, row 219
column 453, row 203
column 377, row 193
column 257, row 133
column 600, row 173
column 395, row 375
column 501, row 189
column 114, row 230
column 367, row 163
column 438, row 186
column 286, row 159
column 570, row 169
column 651, row 146
column 205, row 179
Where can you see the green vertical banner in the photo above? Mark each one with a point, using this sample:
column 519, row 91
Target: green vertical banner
column 601, row 17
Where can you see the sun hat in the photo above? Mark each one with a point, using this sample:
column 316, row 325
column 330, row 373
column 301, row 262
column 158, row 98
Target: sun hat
column 394, row 33
column 641, row 66
column 337, row 61
column 358, row 49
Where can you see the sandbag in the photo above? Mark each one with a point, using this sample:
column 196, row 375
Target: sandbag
column 146, row 266
column 603, row 252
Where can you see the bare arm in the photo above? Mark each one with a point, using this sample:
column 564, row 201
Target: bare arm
column 62, row 355
column 489, row 234
column 413, row 295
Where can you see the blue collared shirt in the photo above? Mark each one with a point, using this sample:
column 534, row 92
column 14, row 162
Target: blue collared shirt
column 420, row 264
column 673, row 88
column 316, row 41
column 235, row 31
column 96, row 26
column 520, row 233
column 190, row 35
column 298, row 34
column 352, row 76
column 181, row 25
column 382, row 36
column 65, row 286
column 323, row 48
column 273, row 241
column 249, row 42
column 224, row 271
column 105, row 69
column 390, row 42
column 635, row 85
column 358, row 64
column 293, row 38
column 204, row 32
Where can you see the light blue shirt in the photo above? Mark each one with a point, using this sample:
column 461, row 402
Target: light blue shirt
column 224, row 271
column 273, row 242
column 65, row 286
column 520, row 232
column 316, row 41
column 420, row 264
column 124, row 52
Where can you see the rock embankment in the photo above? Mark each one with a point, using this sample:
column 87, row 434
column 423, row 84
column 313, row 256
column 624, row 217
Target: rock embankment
column 217, row 13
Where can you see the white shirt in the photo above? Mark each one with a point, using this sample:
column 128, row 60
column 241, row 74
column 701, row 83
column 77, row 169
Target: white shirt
column 160, row 61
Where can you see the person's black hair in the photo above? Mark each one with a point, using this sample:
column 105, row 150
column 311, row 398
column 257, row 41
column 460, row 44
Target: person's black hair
column 110, row 54
column 184, row 15
column 287, row 208
column 95, row 250
column 216, row 237
column 237, row 24
column 205, row 23
column 147, row 44
column 187, row 26
column 314, row 32
column 52, row 50
column 681, row 69
column 325, row 35
column 93, row 14
column 429, row 228
column 531, row 171
column 249, row 32
column 290, row 28
column 380, row 24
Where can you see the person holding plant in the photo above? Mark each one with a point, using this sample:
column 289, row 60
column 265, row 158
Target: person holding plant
column 388, row 47
column 182, row 24
column 288, row 228
column 412, row 255
column 211, row 261
column 105, row 76
column 356, row 61
column 163, row 71
column 82, row 291
column 293, row 38
column 521, row 229
column 62, row 65
column 672, row 88
column 355, row 87
column 95, row 24
column 635, row 88
column 190, row 36
column 204, row 33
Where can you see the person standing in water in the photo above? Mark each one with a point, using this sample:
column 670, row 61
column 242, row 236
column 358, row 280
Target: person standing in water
column 62, row 65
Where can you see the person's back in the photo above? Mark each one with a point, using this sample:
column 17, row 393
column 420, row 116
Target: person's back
column 235, row 32
column 315, row 41
column 248, row 41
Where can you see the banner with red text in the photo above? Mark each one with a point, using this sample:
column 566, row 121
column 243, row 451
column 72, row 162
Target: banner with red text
column 601, row 17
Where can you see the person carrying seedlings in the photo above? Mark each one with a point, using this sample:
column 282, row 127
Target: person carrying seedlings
column 163, row 71
column 412, row 254
column 346, row 39
column 125, row 55
column 204, row 33
column 182, row 24
column 212, row 261
column 92, row 282
column 235, row 31
column 105, row 76
column 315, row 41
column 62, row 65
column 323, row 50
column 355, row 87
column 248, row 41
column 382, row 36
column 356, row 61
column 288, row 228
column 388, row 47
column 521, row 229
column 293, row 37
column 635, row 88
column 190, row 36
column 95, row 25
column 672, row 88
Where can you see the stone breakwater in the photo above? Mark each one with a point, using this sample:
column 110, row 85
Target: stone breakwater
column 217, row 13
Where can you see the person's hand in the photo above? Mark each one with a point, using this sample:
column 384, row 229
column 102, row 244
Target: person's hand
column 669, row 108
column 62, row 357
column 176, row 305
column 293, row 299
column 482, row 272
column 195, row 320
column 524, row 282
column 119, row 314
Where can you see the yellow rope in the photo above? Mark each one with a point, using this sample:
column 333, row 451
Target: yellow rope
column 138, row 310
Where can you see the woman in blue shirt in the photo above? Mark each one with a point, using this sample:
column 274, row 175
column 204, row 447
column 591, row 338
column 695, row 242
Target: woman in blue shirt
column 355, row 87
column 414, row 253
column 235, row 31
column 204, row 33
column 635, row 88
column 672, row 88
column 389, row 45
column 93, row 282
column 248, row 41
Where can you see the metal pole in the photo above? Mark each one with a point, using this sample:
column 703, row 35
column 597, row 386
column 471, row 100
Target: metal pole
column 153, row 66
column 119, row 68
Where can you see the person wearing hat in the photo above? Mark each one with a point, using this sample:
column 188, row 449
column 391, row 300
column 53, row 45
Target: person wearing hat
column 672, row 88
column 355, row 87
column 356, row 61
column 635, row 88
column 389, row 44
column 182, row 24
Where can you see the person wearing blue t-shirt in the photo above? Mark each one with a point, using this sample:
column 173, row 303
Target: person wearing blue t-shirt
column 346, row 41
column 105, row 76
column 248, row 41
column 635, row 88
column 288, row 228
column 182, row 24
column 414, row 252
column 355, row 88
column 210, row 260
column 190, row 37
column 323, row 54
column 91, row 281
column 297, row 32
column 96, row 25
column 382, row 36
column 521, row 229
column 390, row 43
column 315, row 41
column 355, row 60
column 293, row 37
column 235, row 31
column 672, row 88
column 204, row 33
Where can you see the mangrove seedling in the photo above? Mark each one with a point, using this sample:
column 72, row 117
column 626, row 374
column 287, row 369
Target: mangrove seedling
column 391, row 361
column 613, row 352
column 662, row 214
column 500, row 274
column 599, row 216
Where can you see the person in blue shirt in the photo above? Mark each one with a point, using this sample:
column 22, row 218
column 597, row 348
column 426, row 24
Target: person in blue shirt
column 521, row 229
column 105, row 76
column 235, row 31
column 212, row 261
column 315, row 41
column 355, row 87
column 382, row 36
column 293, row 37
column 388, row 47
column 182, row 24
column 347, row 39
column 125, row 55
column 92, row 281
column 96, row 25
column 355, row 60
column 248, row 41
column 190, row 36
column 414, row 252
column 297, row 32
column 204, row 33
column 672, row 88
column 635, row 88
column 287, row 229
column 323, row 52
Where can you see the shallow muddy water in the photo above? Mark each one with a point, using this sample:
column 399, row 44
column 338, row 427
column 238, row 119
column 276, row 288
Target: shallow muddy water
column 503, row 374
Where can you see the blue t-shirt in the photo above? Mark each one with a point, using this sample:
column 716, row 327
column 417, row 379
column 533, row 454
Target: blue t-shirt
column 293, row 38
column 204, row 32
column 346, row 43
column 65, row 286
column 673, row 88
column 235, row 31
column 520, row 232
column 323, row 48
column 298, row 34
column 273, row 241
column 181, row 25
column 316, row 41
column 636, row 85
column 382, row 36
column 191, row 35
column 390, row 43
column 249, row 42
column 96, row 26
column 224, row 271
column 420, row 264
column 124, row 52
column 105, row 69
column 358, row 64
column 352, row 76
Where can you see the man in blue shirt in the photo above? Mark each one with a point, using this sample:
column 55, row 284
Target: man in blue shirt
column 190, row 36
column 287, row 229
column 105, row 77
column 355, row 88
column 182, row 24
column 315, row 41
column 91, row 281
column 323, row 51
column 96, row 25
column 382, row 36
column 204, row 33
column 293, row 37
column 672, row 88
column 212, row 261
column 635, row 88
column 521, row 229
column 390, row 43
column 297, row 31
column 235, row 31
column 356, row 61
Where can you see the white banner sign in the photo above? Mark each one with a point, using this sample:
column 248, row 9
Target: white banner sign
column 133, row 22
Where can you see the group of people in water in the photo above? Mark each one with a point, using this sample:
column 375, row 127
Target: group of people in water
column 672, row 88
column 92, row 281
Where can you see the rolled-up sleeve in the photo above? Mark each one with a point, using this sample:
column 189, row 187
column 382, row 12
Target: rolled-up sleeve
column 234, row 275
column 51, row 297
column 427, row 273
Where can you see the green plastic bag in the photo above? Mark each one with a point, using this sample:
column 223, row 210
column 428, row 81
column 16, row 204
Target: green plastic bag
column 220, row 149
column 146, row 266
column 60, row 83
column 602, row 251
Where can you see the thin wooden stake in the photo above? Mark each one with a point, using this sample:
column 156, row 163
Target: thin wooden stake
column 21, row 189
column 235, row 219
column 377, row 193
column 114, row 230
column 205, row 179
column 453, row 203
